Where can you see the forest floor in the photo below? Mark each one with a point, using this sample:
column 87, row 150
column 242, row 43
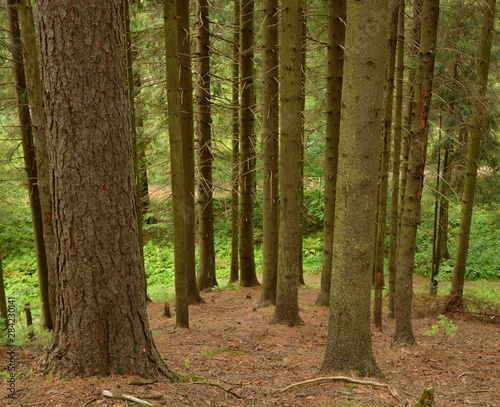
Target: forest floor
column 232, row 356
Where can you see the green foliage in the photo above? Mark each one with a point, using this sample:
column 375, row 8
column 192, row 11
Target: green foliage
column 445, row 324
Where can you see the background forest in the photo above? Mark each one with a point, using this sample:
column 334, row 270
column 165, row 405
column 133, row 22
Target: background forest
column 220, row 140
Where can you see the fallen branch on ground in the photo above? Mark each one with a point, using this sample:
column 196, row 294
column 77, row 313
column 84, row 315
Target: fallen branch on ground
column 124, row 396
column 343, row 379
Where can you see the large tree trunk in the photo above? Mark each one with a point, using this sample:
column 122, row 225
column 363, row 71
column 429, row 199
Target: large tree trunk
column 396, row 159
column 248, row 275
column 270, row 146
column 29, row 162
column 101, row 324
column 336, row 39
column 287, row 308
column 176, row 164
column 235, row 154
column 349, row 344
column 206, row 265
column 474, row 143
column 414, row 183
column 384, row 169
column 187, row 129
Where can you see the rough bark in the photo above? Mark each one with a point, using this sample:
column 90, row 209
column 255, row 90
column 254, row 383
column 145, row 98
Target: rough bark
column 176, row 164
column 336, row 39
column 101, row 324
column 270, row 147
column 206, row 265
column 248, row 276
column 415, row 178
column 27, row 140
column 476, row 130
column 187, row 129
column 3, row 299
column 384, row 169
column 287, row 308
column 396, row 159
column 349, row 329
column 235, row 154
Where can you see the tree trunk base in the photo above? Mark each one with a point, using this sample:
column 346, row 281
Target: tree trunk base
column 427, row 398
column 323, row 299
column 290, row 320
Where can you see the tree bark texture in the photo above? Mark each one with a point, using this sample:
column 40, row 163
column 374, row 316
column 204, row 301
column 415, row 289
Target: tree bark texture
column 473, row 146
column 336, row 40
column 235, row 154
column 287, row 308
column 415, row 173
column 396, row 159
column 384, row 168
column 176, row 164
column 270, row 146
column 187, row 129
column 248, row 276
column 29, row 153
column 3, row 299
column 349, row 344
column 101, row 324
column 206, row 265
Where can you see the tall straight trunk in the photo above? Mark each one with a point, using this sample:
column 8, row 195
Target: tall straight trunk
column 336, row 39
column 287, row 308
column 235, row 154
column 176, row 164
column 270, row 147
column 444, row 204
column 396, row 158
column 3, row 299
column 416, row 164
column 436, row 234
column 384, row 168
column 133, row 130
column 187, row 129
column 349, row 344
column 206, row 265
column 473, row 146
column 29, row 161
column 248, row 275
column 98, row 257
column 414, row 44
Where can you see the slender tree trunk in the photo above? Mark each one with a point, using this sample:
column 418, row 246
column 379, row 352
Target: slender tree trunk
column 270, row 146
column 206, row 266
column 287, row 308
column 444, row 204
column 336, row 39
column 349, row 329
column 436, row 238
column 416, row 165
column 384, row 170
column 23, row 99
column 235, row 155
column 98, row 256
column 176, row 165
column 474, row 143
column 248, row 275
column 396, row 158
column 187, row 129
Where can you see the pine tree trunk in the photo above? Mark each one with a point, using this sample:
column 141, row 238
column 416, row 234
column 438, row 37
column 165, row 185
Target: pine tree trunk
column 384, row 170
column 396, row 159
column 187, row 129
column 235, row 154
column 206, row 265
column 23, row 100
column 349, row 344
column 287, row 308
column 336, row 39
column 474, row 143
column 3, row 299
column 270, row 147
column 416, row 164
column 176, row 165
column 101, row 325
column 248, row 275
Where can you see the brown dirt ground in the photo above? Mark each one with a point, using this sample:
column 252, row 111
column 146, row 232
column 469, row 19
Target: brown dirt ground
column 232, row 344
